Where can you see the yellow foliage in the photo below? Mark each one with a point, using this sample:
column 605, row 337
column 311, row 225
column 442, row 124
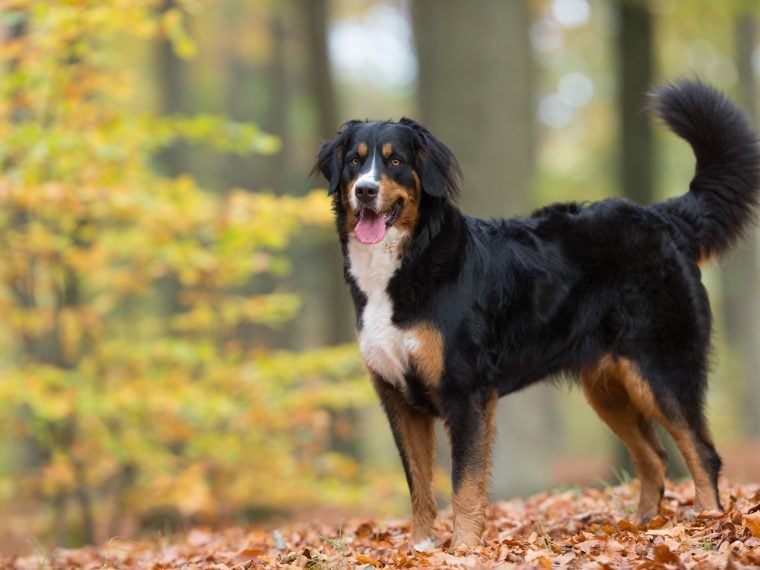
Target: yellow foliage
column 123, row 294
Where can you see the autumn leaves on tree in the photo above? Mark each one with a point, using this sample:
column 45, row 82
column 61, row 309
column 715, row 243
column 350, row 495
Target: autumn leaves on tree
column 132, row 382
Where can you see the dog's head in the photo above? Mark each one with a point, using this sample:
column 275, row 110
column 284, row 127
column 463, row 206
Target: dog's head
column 381, row 173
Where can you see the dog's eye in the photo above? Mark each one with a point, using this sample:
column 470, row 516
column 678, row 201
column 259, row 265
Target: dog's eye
column 354, row 161
column 395, row 162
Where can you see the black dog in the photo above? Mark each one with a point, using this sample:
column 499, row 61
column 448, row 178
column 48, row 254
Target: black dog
column 453, row 312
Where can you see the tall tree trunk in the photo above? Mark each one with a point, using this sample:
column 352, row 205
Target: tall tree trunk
column 327, row 303
column 741, row 279
column 316, row 21
column 271, row 81
column 636, row 73
column 327, row 299
column 476, row 94
column 170, row 77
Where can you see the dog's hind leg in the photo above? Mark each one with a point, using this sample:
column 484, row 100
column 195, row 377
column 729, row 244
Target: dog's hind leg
column 605, row 390
column 679, row 409
column 414, row 434
column 696, row 445
column 471, row 427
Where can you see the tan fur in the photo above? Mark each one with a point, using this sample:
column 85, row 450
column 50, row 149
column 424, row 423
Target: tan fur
column 390, row 191
column 706, row 259
column 416, row 438
column 606, row 390
column 704, row 496
column 468, row 511
column 471, row 496
column 362, row 149
column 387, row 150
column 428, row 357
column 676, row 427
column 417, row 183
column 418, row 435
column 629, row 413
column 351, row 220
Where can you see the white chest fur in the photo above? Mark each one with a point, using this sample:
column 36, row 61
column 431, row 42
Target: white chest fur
column 385, row 347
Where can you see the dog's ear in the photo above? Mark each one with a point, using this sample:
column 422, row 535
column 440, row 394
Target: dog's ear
column 330, row 163
column 330, row 157
column 439, row 170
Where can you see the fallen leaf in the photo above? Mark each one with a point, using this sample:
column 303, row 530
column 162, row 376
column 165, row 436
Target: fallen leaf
column 627, row 525
column 564, row 559
column 752, row 522
column 657, row 521
column 363, row 559
column 363, row 530
column 546, row 531
column 663, row 554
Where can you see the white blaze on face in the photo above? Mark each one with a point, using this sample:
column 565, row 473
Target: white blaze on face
column 368, row 176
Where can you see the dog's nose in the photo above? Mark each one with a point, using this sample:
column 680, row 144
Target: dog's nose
column 366, row 191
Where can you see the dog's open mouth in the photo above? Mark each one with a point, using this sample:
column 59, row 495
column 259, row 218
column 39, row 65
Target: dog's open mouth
column 371, row 225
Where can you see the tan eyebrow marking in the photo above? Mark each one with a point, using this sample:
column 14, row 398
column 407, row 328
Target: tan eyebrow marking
column 362, row 149
column 387, row 150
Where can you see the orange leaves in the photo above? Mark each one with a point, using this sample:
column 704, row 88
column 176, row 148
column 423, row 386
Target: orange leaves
column 663, row 554
column 752, row 522
column 519, row 535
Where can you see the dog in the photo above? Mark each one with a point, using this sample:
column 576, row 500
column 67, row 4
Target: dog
column 453, row 312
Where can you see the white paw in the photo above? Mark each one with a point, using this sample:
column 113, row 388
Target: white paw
column 425, row 545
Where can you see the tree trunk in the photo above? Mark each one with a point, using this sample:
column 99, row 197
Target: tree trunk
column 170, row 79
column 327, row 302
column 636, row 73
column 476, row 95
column 327, row 298
column 741, row 279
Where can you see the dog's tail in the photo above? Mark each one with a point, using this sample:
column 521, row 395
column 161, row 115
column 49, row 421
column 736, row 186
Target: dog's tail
column 724, row 193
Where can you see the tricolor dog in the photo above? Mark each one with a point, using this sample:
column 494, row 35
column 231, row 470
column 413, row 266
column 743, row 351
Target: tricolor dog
column 453, row 312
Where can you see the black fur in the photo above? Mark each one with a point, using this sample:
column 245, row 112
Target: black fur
column 519, row 300
column 723, row 194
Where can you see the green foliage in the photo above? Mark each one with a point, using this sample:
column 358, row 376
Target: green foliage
column 130, row 370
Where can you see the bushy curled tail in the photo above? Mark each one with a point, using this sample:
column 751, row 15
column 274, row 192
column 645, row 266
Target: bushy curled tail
column 724, row 193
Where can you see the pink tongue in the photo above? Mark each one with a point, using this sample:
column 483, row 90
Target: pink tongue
column 371, row 227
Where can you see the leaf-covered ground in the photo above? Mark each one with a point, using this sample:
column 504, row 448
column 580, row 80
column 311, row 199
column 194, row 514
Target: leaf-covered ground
column 577, row 528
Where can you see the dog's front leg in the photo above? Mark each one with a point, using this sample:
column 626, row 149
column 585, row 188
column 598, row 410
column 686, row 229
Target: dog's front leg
column 414, row 434
column 471, row 428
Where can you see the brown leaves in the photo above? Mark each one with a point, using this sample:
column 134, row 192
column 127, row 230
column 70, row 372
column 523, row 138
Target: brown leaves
column 752, row 522
column 587, row 529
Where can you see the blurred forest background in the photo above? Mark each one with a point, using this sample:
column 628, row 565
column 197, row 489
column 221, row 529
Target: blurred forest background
column 175, row 338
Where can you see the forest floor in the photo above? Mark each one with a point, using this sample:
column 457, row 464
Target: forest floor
column 573, row 528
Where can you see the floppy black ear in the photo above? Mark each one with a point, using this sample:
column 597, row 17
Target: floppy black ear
column 330, row 163
column 439, row 169
column 330, row 156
